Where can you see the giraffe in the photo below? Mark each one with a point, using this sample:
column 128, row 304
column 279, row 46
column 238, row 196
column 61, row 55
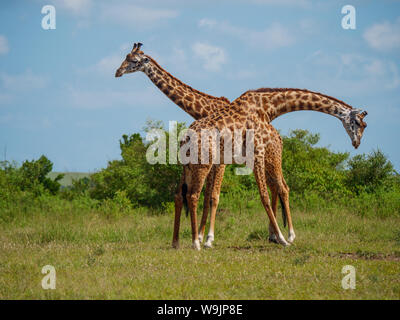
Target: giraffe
column 275, row 180
column 192, row 101
column 271, row 103
column 249, row 112
column 195, row 103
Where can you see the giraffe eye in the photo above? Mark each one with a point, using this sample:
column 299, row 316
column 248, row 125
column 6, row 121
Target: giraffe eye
column 146, row 60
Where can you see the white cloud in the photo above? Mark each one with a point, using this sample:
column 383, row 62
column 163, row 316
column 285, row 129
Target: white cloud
column 213, row 57
column 275, row 36
column 384, row 36
column 205, row 22
column 99, row 99
column 133, row 15
column 349, row 74
column 77, row 7
column 105, row 66
column 23, row 82
column 109, row 64
column 272, row 37
column 376, row 67
column 3, row 45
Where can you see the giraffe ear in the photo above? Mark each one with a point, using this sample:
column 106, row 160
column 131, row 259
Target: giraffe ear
column 363, row 114
column 134, row 47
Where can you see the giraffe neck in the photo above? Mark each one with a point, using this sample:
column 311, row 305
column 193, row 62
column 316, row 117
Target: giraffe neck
column 192, row 101
column 272, row 103
column 296, row 100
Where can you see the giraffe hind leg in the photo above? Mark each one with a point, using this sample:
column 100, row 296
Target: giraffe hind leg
column 216, row 190
column 274, row 204
column 259, row 173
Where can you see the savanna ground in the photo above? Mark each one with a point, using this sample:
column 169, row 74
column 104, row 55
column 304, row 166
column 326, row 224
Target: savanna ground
column 128, row 256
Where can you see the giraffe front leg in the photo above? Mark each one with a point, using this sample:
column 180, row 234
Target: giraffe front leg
column 198, row 176
column 206, row 204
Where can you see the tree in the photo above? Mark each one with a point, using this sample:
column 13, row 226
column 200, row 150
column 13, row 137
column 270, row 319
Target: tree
column 369, row 172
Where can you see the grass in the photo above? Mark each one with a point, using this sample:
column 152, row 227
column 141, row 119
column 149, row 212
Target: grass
column 100, row 255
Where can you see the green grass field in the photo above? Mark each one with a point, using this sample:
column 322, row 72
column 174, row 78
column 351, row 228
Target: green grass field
column 98, row 255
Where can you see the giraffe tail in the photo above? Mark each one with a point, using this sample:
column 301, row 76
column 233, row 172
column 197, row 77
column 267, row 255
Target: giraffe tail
column 284, row 214
column 185, row 203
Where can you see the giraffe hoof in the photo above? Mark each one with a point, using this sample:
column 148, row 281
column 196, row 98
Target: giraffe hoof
column 196, row 245
column 175, row 245
column 291, row 238
column 284, row 243
column 273, row 240
column 208, row 245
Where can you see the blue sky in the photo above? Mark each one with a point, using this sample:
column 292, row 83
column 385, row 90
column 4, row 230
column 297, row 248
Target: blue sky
column 59, row 96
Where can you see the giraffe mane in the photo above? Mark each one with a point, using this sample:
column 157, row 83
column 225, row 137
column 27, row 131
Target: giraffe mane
column 189, row 87
column 302, row 90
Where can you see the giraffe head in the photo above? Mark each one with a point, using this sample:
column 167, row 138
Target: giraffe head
column 354, row 124
column 135, row 60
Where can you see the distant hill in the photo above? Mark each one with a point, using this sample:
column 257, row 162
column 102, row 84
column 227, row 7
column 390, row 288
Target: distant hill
column 68, row 177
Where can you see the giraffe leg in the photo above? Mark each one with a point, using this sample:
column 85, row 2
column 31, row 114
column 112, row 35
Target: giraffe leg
column 207, row 202
column 218, row 177
column 284, row 196
column 259, row 173
column 178, row 211
column 280, row 190
column 274, row 205
column 198, row 175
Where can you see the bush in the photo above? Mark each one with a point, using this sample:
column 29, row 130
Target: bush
column 31, row 177
column 310, row 169
column 368, row 173
column 319, row 179
column 144, row 184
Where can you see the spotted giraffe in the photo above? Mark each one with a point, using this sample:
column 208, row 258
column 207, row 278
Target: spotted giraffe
column 228, row 123
column 194, row 102
column 270, row 103
column 250, row 111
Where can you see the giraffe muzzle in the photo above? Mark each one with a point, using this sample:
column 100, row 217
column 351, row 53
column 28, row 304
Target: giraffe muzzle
column 119, row 73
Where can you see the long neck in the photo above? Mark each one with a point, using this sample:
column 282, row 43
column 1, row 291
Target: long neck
column 192, row 101
column 272, row 103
